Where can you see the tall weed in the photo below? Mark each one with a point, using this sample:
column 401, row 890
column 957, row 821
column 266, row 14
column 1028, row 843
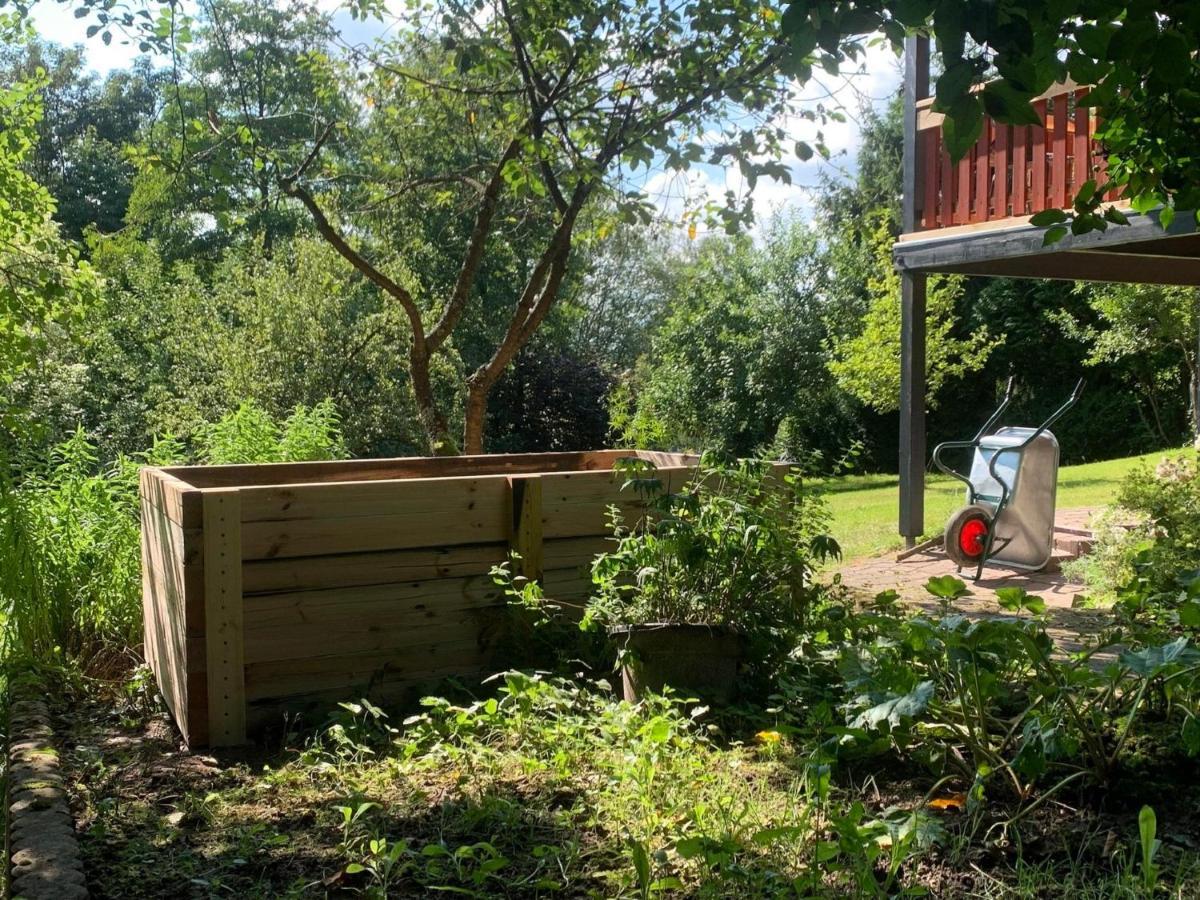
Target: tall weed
column 70, row 559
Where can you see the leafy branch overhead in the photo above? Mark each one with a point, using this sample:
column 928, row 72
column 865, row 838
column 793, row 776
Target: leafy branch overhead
column 998, row 55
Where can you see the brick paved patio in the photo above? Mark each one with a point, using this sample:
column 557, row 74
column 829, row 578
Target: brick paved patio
column 867, row 577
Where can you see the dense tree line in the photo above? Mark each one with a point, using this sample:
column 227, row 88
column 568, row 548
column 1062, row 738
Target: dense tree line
column 219, row 240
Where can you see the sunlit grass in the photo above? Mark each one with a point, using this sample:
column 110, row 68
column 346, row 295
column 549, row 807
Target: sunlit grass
column 864, row 507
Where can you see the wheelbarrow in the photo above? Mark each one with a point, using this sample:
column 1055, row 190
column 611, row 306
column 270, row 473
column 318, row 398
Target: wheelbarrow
column 1011, row 487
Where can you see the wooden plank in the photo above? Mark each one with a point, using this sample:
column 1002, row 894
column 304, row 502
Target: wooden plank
column 983, row 169
column 1020, row 170
column 1037, row 190
column 223, row 618
column 378, row 630
column 1003, row 162
column 566, row 553
column 163, row 615
column 930, row 151
column 316, row 609
column 385, row 686
column 352, row 674
column 567, row 584
column 1081, row 166
column 576, row 505
column 358, row 569
column 179, row 500
column 476, row 498
column 525, row 522
column 1058, row 163
column 415, row 467
column 661, row 459
column 366, row 534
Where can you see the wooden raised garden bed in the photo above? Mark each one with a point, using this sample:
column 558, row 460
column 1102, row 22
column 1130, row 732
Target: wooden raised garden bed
column 301, row 584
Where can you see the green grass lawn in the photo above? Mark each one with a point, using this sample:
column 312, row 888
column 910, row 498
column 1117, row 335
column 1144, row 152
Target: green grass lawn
column 864, row 506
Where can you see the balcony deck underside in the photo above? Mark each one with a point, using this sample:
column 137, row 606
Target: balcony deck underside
column 1140, row 253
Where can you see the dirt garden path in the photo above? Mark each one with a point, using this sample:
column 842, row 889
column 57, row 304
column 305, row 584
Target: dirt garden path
column 867, row 577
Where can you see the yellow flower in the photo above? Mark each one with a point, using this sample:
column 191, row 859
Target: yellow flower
column 769, row 737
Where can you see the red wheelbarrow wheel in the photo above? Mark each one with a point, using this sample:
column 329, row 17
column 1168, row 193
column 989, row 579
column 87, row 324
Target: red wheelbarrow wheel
column 966, row 535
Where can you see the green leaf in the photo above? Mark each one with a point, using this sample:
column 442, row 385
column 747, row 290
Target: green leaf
column 1189, row 614
column 641, row 863
column 947, row 587
column 1114, row 215
column 1048, row 217
column 1054, row 235
column 1149, row 661
column 896, row 709
column 1004, row 103
column 1165, row 217
column 962, row 126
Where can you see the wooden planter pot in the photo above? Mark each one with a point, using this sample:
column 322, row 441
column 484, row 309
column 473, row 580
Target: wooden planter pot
column 297, row 585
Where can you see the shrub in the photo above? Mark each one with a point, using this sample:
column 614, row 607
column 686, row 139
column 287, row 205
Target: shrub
column 70, row 556
column 71, row 582
column 1153, row 532
column 736, row 546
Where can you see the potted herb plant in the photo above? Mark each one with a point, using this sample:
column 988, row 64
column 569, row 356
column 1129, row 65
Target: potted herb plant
column 715, row 584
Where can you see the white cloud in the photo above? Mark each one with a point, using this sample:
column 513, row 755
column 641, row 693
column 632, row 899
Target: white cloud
column 871, row 83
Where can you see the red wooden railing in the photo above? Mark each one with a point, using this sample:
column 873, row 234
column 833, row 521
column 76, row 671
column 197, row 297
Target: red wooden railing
column 1012, row 171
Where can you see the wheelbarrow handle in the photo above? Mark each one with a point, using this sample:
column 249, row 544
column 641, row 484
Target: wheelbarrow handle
column 995, row 417
column 1076, row 393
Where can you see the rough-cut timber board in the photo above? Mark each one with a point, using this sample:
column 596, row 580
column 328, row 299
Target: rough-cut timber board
column 424, row 662
column 223, row 618
column 379, row 567
column 365, row 534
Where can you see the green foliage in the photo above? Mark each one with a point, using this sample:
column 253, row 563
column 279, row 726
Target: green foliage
column 734, row 547
column 1152, row 535
column 250, row 435
column 996, row 705
column 738, row 363
column 679, row 812
column 867, row 364
column 79, row 153
column 70, row 549
column 1151, row 331
column 1136, row 52
column 42, row 282
column 169, row 347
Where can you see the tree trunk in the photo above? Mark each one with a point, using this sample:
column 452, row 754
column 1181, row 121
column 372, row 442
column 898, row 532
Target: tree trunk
column 539, row 294
column 433, row 420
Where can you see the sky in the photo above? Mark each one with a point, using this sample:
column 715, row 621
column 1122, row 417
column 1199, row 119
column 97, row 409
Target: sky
column 873, row 82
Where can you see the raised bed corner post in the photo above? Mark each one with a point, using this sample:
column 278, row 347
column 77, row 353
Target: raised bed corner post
column 912, row 309
column 525, row 523
column 223, row 618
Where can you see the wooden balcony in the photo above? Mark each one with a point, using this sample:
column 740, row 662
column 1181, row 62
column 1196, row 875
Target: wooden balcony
column 1012, row 171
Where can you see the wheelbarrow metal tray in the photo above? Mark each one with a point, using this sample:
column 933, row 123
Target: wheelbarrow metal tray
column 1025, row 527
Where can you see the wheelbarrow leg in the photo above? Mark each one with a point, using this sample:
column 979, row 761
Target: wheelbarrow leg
column 987, row 547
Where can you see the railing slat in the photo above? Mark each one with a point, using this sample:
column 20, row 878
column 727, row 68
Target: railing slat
column 1058, row 161
column 929, row 140
column 946, row 207
column 1020, row 169
column 1081, row 165
column 982, row 163
column 1011, row 171
column 1002, row 156
column 1037, row 181
column 962, row 190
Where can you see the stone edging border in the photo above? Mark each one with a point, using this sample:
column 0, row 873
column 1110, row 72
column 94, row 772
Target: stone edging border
column 40, row 842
